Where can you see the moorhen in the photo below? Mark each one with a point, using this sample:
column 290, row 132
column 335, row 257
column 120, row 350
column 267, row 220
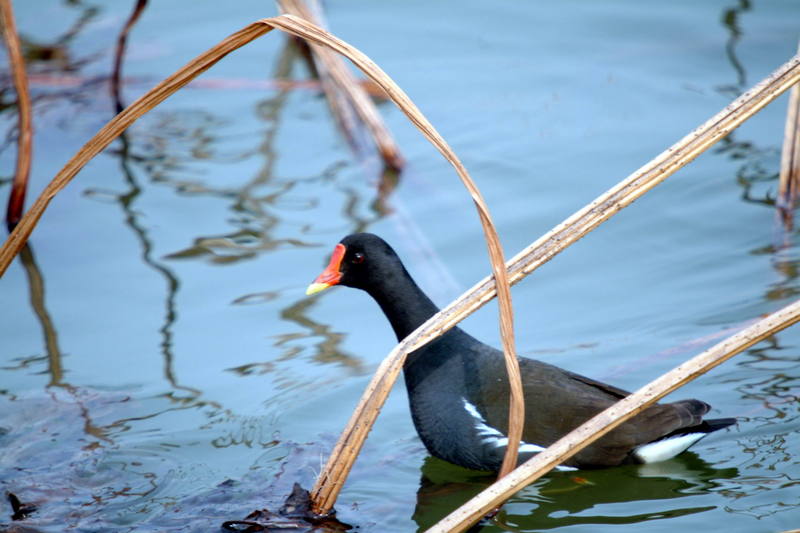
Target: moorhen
column 458, row 387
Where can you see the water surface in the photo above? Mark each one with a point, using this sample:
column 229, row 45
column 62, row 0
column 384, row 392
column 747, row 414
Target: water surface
column 162, row 369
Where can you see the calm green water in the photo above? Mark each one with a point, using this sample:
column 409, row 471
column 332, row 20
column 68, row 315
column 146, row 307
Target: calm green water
column 172, row 374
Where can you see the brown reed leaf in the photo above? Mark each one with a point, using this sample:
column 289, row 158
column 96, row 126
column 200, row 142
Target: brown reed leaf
column 310, row 32
column 16, row 200
column 593, row 429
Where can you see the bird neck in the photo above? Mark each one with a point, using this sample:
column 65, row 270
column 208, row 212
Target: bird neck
column 403, row 303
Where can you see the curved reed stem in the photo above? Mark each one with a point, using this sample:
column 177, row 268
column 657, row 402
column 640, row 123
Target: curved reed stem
column 345, row 452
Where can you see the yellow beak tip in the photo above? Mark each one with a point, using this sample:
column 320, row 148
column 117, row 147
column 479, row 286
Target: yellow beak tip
column 314, row 288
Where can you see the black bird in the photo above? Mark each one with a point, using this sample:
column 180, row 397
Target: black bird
column 458, row 388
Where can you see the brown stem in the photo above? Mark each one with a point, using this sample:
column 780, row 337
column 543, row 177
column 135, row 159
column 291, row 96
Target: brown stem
column 16, row 200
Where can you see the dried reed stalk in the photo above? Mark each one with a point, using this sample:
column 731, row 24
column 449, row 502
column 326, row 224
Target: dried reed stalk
column 345, row 94
column 119, row 53
column 306, row 30
column 623, row 410
column 789, row 182
column 342, row 110
column 16, row 200
column 545, row 248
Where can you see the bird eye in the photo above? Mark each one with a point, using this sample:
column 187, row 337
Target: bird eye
column 358, row 258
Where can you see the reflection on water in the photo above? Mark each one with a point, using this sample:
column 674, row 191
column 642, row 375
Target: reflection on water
column 563, row 499
column 167, row 152
column 777, row 394
column 55, row 368
column 37, row 299
column 785, row 262
column 768, row 484
column 259, row 202
column 757, row 175
column 730, row 19
column 327, row 350
column 56, row 54
column 127, row 202
column 758, row 170
column 119, row 54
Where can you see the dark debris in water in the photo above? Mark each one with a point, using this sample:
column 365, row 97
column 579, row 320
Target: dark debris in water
column 20, row 510
column 294, row 515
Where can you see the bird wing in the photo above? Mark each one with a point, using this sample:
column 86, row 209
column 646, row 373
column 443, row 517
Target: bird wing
column 610, row 390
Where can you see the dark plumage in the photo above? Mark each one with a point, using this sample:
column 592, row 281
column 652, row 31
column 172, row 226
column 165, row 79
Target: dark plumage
column 458, row 389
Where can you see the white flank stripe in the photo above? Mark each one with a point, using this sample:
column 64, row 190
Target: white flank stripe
column 525, row 447
column 493, row 437
column 666, row 449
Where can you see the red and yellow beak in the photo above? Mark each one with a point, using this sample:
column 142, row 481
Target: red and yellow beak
column 331, row 275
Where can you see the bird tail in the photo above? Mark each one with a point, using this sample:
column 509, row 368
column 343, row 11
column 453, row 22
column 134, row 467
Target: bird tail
column 706, row 427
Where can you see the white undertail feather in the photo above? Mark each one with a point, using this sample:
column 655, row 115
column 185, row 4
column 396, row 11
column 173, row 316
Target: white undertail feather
column 664, row 449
